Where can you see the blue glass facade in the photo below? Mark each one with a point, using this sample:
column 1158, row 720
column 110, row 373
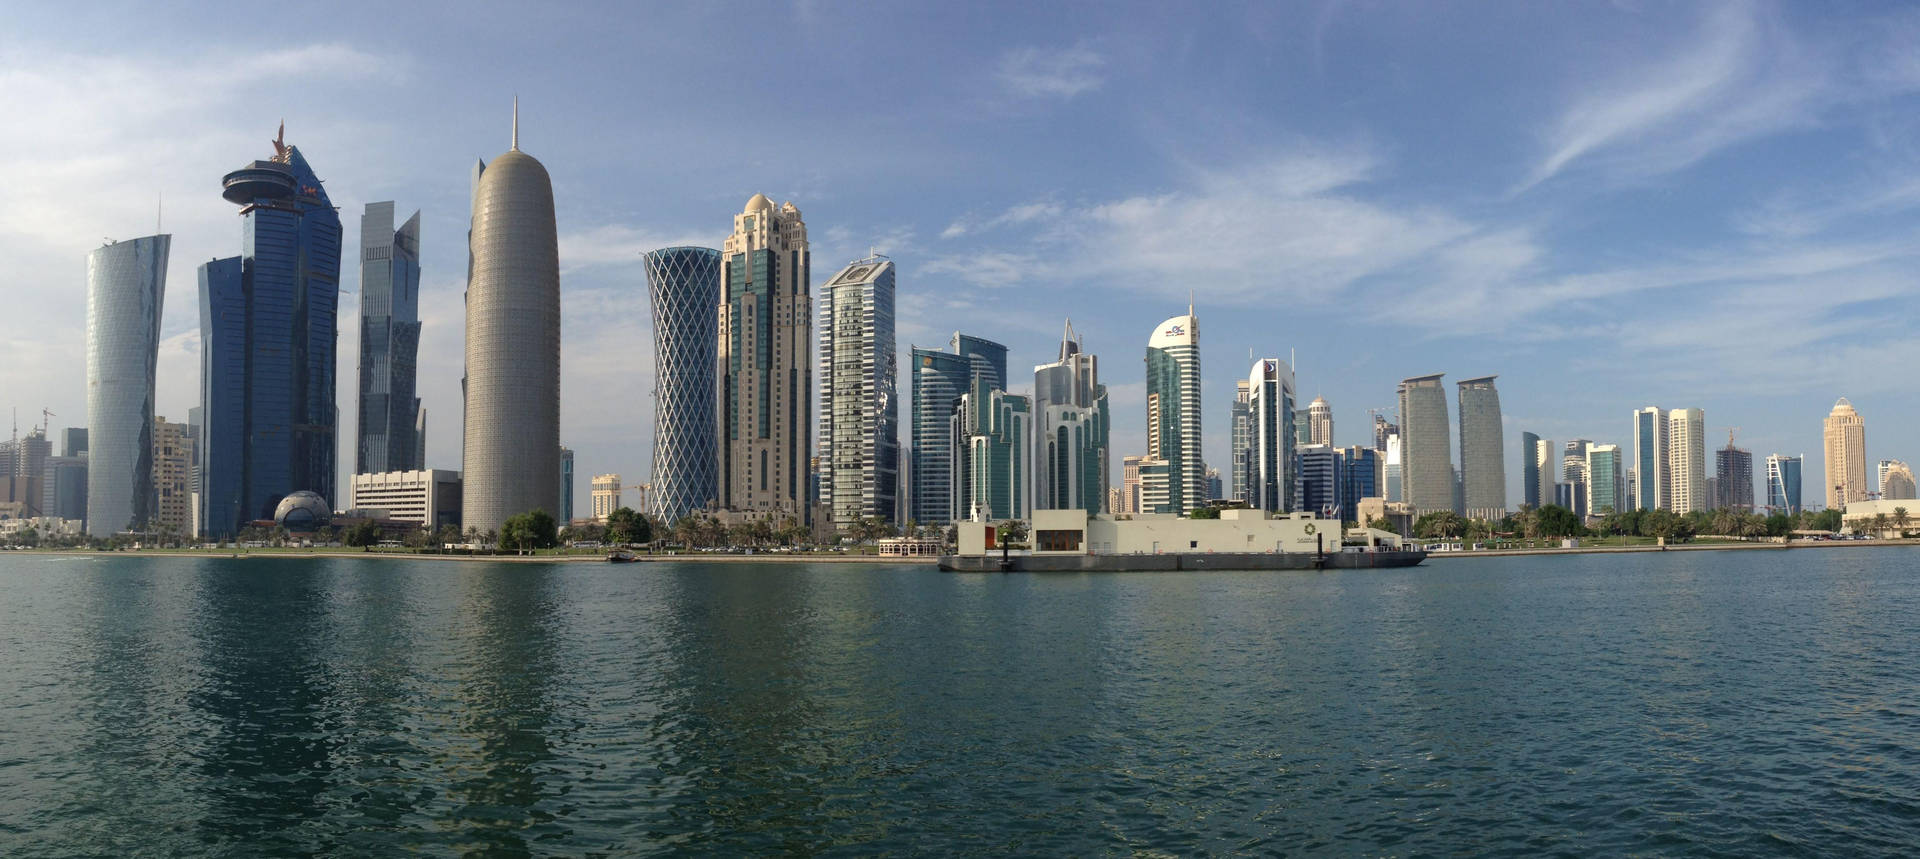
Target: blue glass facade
column 939, row 379
column 1319, row 491
column 268, row 327
column 389, row 342
column 1783, row 484
column 1359, row 472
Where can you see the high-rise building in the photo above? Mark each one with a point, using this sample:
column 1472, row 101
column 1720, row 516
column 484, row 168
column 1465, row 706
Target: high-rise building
column 1426, row 445
column 172, row 510
column 763, row 364
column 24, row 461
column 512, row 427
column 389, row 341
column 1173, row 410
column 1359, row 473
column 73, row 440
column 1687, row 460
column 1603, row 480
column 992, row 430
column 684, row 285
column 566, row 485
column 1319, row 422
column 1483, row 467
column 1895, row 480
column 1381, row 430
column 1733, row 478
column 64, row 488
column 1272, row 483
column 606, row 496
column 859, row 400
column 1538, row 472
column 1395, row 470
column 1240, row 421
column 1318, row 483
column 126, row 282
column 1783, row 483
column 1130, row 484
column 1070, row 414
column 1653, row 489
column 1216, row 488
column 1156, row 486
column 940, row 379
column 1846, row 462
column 1574, row 474
column 267, row 340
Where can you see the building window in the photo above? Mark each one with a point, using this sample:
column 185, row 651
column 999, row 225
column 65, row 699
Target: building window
column 1059, row 540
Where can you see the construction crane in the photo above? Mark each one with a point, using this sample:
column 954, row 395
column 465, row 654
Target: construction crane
column 46, row 420
column 1731, row 431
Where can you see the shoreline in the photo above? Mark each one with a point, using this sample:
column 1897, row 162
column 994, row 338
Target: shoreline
column 1683, row 547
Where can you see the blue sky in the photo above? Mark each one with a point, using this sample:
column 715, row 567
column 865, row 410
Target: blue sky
column 1609, row 205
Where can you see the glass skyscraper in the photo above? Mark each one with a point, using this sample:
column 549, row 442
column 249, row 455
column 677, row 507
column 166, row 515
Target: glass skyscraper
column 939, row 379
column 1271, row 440
column 860, row 409
column 126, row 282
column 1783, row 484
column 267, row 335
column 1173, row 411
column 389, row 342
column 1070, row 453
column 684, row 283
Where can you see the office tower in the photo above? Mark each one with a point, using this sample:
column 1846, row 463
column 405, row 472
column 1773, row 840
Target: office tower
column 1633, row 489
column 859, row 401
column 606, row 496
column 1574, row 475
column 1783, row 483
column 267, row 339
column 1302, row 432
column 126, row 282
column 1318, row 483
column 1116, row 501
column 1359, row 473
column 1603, row 480
column 1216, row 489
column 25, row 461
column 1173, row 410
column 1382, row 429
column 763, row 364
column 1426, row 445
column 428, row 497
column 64, row 488
column 1395, row 469
column 1538, row 473
column 1733, row 477
column 1240, row 423
column 684, row 285
column 1070, row 414
column 940, row 378
column 1130, row 484
column 1654, row 489
column 1271, row 483
column 389, row 341
column 73, row 440
column 1896, row 480
column 512, row 424
column 1483, row 466
column 1156, row 486
column 1846, row 461
column 991, row 432
column 1687, row 460
column 172, row 510
column 566, row 485
column 1319, row 422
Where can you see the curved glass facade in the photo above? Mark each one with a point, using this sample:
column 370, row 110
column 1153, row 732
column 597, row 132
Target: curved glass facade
column 126, row 282
column 684, row 284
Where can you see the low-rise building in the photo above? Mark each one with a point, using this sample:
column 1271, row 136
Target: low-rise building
column 1075, row 532
column 429, row 497
column 1902, row 515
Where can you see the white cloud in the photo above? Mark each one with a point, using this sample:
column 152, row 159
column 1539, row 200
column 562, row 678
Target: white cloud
column 620, row 244
column 1051, row 72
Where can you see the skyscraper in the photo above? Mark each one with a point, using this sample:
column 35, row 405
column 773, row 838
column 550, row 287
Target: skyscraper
column 1574, row 476
column 267, row 340
column 565, row 513
column 1070, row 413
column 860, row 420
column 1653, row 491
column 126, row 282
column 389, row 341
column 1426, row 445
column 684, row 284
column 940, row 378
column 605, row 496
column 1733, row 477
column 512, row 429
column 1319, row 422
column 1271, row 484
column 763, row 364
column 1318, row 482
column 1359, row 475
column 1896, row 480
column 1483, row 467
column 1687, row 460
column 1603, row 480
column 1173, row 410
column 172, row 513
column 1537, row 471
column 1846, row 449
column 1783, row 483
column 1240, row 420
column 993, row 428
column 1130, row 484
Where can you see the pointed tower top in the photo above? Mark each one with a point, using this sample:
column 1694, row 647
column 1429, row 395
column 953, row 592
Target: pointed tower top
column 280, row 142
column 516, row 125
column 1189, row 301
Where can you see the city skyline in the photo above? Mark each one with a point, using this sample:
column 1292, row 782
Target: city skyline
column 988, row 175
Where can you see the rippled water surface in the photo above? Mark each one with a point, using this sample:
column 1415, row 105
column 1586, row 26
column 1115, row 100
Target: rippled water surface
column 1697, row 703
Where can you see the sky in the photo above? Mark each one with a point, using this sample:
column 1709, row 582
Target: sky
column 1608, row 205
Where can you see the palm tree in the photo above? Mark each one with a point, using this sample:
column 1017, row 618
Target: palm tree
column 1900, row 520
column 1880, row 524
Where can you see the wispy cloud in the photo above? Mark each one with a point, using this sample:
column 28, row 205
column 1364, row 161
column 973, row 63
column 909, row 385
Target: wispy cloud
column 1059, row 73
column 621, row 244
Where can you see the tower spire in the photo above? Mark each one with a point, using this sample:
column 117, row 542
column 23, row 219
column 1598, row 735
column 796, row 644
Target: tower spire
column 516, row 124
column 1189, row 301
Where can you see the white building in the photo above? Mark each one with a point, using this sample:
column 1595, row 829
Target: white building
column 1270, row 461
column 1173, row 411
column 430, row 497
column 606, row 496
column 859, row 433
column 1687, row 460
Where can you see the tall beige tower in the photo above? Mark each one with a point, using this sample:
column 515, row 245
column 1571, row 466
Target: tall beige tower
column 510, row 458
column 1319, row 422
column 764, row 379
column 1846, row 437
column 1687, row 460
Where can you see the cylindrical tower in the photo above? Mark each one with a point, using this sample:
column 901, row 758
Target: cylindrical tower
column 684, row 284
column 126, row 282
column 511, row 454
